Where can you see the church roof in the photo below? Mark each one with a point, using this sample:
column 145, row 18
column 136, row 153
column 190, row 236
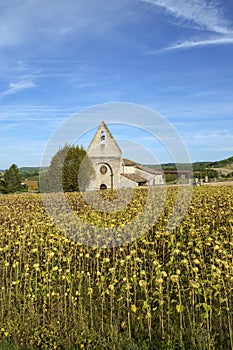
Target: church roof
column 148, row 169
column 135, row 177
column 128, row 162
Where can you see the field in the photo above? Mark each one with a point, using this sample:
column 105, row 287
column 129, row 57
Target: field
column 165, row 290
column 225, row 170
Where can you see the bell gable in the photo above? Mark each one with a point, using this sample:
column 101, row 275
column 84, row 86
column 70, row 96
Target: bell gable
column 103, row 144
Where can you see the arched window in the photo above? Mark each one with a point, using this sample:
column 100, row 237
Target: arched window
column 102, row 137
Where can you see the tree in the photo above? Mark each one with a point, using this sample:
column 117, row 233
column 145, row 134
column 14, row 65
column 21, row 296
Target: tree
column 51, row 179
column 11, row 180
column 2, row 185
column 70, row 170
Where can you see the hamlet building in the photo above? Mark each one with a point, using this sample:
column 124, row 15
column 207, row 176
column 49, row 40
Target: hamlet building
column 114, row 172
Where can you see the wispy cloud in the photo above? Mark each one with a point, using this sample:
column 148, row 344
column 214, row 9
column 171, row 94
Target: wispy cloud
column 197, row 14
column 25, row 23
column 87, row 85
column 211, row 138
column 202, row 14
column 17, row 87
column 195, row 43
column 29, row 113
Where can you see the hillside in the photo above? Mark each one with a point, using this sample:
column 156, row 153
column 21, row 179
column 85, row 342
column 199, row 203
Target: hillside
column 222, row 167
column 222, row 163
column 30, row 173
column 228, row 169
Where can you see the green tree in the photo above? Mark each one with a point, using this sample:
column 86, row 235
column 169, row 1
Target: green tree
column 2, row 185
column 70, row 170
column 11, row 180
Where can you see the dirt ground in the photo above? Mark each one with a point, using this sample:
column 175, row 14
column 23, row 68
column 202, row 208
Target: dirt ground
column 218, row 183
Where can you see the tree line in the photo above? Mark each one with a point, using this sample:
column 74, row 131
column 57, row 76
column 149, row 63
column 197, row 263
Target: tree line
column 70, row 170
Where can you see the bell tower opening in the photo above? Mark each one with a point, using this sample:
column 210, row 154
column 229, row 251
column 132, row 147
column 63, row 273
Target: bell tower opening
column 102, row 138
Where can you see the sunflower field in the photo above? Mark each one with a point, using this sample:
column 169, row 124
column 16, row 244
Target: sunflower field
column 164, row 290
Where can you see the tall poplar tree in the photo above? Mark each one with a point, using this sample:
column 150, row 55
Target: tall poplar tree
column 70, row 170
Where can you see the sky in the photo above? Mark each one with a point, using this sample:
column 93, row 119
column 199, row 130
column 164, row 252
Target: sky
column 60, row 58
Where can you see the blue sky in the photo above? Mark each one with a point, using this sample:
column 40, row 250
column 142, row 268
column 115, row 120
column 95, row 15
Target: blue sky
column 58, row 58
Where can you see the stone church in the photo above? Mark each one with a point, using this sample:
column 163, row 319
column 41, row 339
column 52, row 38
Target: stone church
column 111, row 170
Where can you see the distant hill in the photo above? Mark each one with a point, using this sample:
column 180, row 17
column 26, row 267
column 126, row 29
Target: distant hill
column 30, row 173
column 168, row 166
column 222, row 167
column 29, row 168
column 222, row 163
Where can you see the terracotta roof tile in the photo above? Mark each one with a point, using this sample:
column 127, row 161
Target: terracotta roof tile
column 128, row 162
column 135, row 177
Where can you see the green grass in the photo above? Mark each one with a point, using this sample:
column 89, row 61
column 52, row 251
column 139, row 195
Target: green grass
column 7, row 346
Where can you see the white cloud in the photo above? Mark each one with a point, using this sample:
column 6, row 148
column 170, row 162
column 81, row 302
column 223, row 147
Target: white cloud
column 9, row 127
column 215, row 139
column 196, row 43
column 87, row 85
column 19, row 86
column 49, row 23
column 198, row 14
column 202, row 14
column 30, row 113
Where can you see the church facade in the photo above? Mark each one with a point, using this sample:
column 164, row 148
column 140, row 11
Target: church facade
column 114, row 172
